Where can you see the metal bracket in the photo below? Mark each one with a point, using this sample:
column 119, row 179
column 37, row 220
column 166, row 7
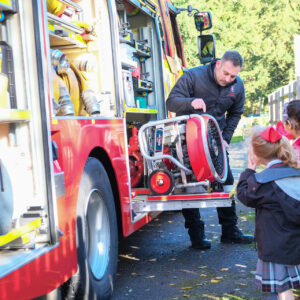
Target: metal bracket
column 148, row 203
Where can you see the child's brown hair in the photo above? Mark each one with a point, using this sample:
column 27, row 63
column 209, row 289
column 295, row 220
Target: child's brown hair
column 278, row 150
column 293, row 111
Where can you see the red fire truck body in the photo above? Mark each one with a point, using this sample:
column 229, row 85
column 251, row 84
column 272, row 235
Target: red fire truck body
column 66, row 158
column 59, row 263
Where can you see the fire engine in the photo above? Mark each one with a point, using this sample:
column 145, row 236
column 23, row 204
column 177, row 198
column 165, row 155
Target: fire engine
column 87, row 152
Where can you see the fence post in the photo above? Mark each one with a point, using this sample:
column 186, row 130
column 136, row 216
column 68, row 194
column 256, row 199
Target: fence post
column 290, row 94
column 277, row 106
column 298, row 87
column 270, row 100
column 276, row 99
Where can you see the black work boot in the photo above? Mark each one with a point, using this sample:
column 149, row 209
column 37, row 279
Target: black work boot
column 198, row 240
column 195, row 228
column 235, row 235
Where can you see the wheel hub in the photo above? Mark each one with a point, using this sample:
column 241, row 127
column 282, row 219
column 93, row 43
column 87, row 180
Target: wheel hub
column 98, row 233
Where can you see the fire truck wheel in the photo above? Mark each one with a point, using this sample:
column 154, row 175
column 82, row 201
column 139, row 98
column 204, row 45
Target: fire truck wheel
column 161, row 182
column 97, row 234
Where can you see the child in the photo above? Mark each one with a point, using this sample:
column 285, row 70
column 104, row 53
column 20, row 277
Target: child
column 275, row 194
column 291, row 121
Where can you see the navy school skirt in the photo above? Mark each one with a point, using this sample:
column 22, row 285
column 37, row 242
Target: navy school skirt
column 277, row 278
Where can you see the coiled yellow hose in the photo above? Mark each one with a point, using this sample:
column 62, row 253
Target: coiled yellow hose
column 88, row 95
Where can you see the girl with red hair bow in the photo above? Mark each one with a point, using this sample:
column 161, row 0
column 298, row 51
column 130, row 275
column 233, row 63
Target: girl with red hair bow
column 291, row 118
column 275, row 194
column 290, row 127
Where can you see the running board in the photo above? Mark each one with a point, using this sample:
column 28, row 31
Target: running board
column 148, row 203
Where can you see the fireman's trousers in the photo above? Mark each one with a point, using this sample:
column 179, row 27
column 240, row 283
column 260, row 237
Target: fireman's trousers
column 227, row 215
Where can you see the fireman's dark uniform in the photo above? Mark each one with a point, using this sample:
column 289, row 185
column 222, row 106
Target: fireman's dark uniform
column 226, row 105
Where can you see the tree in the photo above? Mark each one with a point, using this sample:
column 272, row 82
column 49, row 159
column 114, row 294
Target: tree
column 262, row 31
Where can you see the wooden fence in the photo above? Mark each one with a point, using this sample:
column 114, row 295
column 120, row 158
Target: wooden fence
column 282, row 95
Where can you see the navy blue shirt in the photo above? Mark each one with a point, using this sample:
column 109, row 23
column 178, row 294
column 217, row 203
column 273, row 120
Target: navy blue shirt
column 225, row 104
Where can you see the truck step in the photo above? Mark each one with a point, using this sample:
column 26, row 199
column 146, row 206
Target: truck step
column 143, row 202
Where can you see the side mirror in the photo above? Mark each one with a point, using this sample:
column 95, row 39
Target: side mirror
column 203, row 20
column 206, row 47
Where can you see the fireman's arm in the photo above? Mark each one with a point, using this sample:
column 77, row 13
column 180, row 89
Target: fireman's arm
column 181, row 96
column 233, row 115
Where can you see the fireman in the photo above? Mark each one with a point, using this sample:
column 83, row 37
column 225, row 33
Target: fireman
column 215, row 89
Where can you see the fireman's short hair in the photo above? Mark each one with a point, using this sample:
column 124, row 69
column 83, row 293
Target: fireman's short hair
column 233, row 56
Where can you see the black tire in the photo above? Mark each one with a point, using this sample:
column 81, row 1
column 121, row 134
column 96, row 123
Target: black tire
column 96, row 209
column 168, row 183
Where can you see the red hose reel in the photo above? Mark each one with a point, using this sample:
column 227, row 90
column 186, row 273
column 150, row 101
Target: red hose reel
column 205, row 149
column 185, row 152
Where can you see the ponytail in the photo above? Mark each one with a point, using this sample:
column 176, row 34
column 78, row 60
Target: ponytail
column 281, row 149
column 286, row 153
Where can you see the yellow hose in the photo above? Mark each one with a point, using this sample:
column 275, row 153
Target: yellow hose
column 82, row 80
column 72, row 84
column 61, row 96
column 88, row 95
column 55, row 7
column 55, row 85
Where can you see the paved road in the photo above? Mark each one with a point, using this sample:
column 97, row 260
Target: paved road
column 157, row 263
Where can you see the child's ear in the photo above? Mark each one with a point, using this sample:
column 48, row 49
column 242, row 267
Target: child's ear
column 288, row 125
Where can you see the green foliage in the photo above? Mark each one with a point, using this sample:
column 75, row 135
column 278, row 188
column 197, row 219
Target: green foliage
column 237, row 139
column 262, row 31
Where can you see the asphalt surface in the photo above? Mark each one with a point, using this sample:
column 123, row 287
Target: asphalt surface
column 157, row 262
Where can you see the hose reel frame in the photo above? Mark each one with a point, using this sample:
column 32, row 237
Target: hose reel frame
column 203, row 140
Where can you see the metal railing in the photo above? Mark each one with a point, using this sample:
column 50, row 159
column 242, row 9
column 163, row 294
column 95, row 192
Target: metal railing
column 282, row 95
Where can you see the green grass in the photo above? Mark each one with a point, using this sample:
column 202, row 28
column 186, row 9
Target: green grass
column 250, row 216
column 237, row 138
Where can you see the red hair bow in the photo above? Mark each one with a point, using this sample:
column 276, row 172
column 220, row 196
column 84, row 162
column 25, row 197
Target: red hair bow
column 271, row 135
column 280, row 128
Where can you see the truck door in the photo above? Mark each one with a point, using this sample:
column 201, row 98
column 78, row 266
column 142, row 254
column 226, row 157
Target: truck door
column 172, row 34
column 28, row 211
column 175, row 53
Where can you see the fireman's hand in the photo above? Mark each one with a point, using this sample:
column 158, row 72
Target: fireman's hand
column 198, row 103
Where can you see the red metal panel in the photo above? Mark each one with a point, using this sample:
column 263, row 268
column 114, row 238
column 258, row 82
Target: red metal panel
column 74, row 149
column 75, row 138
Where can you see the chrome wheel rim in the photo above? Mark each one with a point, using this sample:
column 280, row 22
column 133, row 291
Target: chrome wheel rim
column 98, row 234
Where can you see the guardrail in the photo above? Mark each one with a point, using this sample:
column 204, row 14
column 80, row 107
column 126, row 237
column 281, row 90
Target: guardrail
column 282, row 95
